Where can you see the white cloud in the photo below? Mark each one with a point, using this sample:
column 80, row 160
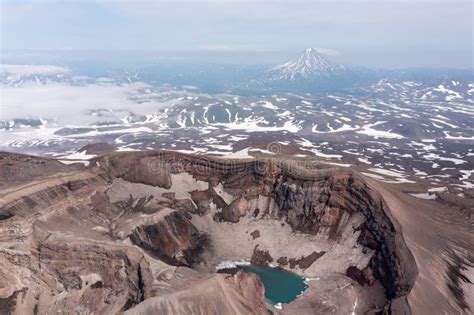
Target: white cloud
column 73, row 105
column 32, row 69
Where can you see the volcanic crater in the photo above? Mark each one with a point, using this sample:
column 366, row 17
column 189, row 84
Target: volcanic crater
column 145, row 232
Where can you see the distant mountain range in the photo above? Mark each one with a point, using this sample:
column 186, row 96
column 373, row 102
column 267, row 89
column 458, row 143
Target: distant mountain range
column 310, row 71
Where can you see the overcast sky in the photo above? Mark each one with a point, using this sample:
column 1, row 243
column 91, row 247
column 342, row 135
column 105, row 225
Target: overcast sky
column 372, row 33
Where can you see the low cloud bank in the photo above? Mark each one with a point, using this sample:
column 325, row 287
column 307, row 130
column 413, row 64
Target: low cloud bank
column 32, row 69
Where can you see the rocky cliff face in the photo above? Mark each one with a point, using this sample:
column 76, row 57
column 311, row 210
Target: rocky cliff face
column 173, row 240
column 312, row 205
column 148, row 228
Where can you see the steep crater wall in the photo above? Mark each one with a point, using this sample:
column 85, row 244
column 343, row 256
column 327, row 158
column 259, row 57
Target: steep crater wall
column 316, row 202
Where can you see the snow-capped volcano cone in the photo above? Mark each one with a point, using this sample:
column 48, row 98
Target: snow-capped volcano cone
column 309, row 64
column 311, row 71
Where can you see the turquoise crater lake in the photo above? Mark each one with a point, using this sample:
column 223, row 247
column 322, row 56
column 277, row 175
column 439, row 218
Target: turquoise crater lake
column 280, row 286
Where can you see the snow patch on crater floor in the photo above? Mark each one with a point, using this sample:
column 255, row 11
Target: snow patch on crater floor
column 229, row 264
